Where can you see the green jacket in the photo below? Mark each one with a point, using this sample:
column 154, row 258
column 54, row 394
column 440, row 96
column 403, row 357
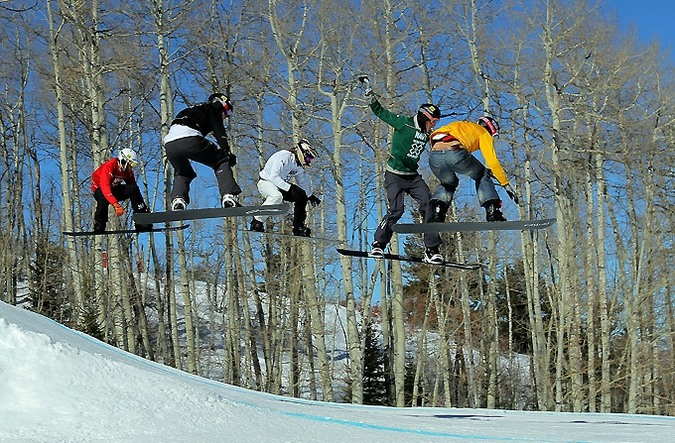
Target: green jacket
column 407, row 143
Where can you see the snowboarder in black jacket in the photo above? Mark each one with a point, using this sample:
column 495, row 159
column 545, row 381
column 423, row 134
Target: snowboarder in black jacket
column 187, row 141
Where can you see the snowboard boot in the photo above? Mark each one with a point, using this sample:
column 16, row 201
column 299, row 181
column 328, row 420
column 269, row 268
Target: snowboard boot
column 257, row 226
column 178, row 204
column 432, row 256
column 377, row 250
column 140, row 227
column 438, row 210
column 229, row 201
column 492, row 211
column 99, row 226
column 301, row 231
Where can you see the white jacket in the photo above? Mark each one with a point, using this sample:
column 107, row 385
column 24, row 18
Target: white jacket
column 281, row 167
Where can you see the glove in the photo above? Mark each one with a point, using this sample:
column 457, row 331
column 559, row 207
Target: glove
column 365, row 84
column 511, row 193
column 232, row 159
column 119, row 210
column 314, row 200
column 296, row 193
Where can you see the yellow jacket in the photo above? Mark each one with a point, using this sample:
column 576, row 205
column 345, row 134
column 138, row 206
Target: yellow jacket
column 473, row 137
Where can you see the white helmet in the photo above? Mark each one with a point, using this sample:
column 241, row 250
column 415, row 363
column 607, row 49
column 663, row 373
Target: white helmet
column 127, row 155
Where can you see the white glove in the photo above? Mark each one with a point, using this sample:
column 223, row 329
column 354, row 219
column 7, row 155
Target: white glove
column 365, row 84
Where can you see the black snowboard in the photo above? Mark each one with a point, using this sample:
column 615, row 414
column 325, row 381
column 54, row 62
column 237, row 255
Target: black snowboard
column 124, row 231
column 464, row 266
column 194, row 214
column 517, row 225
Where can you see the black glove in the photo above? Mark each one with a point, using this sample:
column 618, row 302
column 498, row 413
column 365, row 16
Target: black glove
column 296, row 193
column 511, row 193
column 314, row 200
column 231, row 159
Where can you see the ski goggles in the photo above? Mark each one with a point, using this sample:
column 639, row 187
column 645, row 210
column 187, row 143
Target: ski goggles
column 228, row 109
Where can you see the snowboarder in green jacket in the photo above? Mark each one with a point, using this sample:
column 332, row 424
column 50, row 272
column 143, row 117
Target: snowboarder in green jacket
column 409, row 140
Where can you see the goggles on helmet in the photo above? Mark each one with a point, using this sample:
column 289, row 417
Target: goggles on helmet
column 431, row 112
column 228, row 109
column 128, row 157
column 307, row 152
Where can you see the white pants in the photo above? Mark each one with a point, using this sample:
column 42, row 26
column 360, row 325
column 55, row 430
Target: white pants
column 272, row 196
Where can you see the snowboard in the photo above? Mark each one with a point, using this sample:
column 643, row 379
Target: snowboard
column 517, row 225
column 124, row 231
column 195, row 214
column 364, row 254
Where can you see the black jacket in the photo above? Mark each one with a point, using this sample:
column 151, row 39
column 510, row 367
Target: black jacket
column 205, row 118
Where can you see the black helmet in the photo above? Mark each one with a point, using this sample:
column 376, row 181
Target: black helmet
column 305, row 152
column 430, row 112
column 490, row 124
column 219, row 97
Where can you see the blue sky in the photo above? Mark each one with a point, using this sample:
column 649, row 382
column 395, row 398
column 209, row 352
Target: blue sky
column 653, row 18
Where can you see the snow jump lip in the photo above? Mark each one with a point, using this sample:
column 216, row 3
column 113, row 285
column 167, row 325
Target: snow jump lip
column 287, row 419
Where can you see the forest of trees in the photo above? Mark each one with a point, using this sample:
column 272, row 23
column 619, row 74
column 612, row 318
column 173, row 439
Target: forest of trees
column 587, row 115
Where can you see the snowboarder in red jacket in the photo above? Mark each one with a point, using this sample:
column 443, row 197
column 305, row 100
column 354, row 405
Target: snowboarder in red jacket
column 108, row 189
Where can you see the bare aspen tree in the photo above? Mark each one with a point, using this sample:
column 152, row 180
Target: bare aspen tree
column 166, row 20
column 383, row 27
column 85, row 20
column 553, row 35
column 317, row 327
column 529, row 240
column 605, row 327
column 291, row 41
column 66, row 173
column 187, row 307
column 336, row 48
column 16, row 171
column 473, row 23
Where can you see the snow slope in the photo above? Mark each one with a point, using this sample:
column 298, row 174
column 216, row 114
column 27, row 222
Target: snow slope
column 58, row 385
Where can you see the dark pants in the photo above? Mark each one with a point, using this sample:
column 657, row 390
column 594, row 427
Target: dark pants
column 299, row 209
column 396, row 187
column 121, row 193
column 181, row 151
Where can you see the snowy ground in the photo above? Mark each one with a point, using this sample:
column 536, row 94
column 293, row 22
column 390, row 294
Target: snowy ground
column 57, row 385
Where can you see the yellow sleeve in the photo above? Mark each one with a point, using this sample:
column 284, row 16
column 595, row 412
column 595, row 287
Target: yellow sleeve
column 487, row 148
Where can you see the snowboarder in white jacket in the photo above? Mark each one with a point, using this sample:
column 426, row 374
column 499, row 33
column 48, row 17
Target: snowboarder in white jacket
column 275, row 185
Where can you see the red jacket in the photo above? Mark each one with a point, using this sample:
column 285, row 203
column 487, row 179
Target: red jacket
column 108, row 175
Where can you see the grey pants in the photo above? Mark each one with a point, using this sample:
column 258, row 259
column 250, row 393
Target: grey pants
column 181, row 151
column 447, row 164
column 396, row 187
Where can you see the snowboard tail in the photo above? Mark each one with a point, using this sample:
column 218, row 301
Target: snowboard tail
column 517, row 225
column 364, row 254
column 124, row 231
column 196, row 214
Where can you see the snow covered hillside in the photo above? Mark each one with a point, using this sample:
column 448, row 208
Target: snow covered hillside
column 58, row 385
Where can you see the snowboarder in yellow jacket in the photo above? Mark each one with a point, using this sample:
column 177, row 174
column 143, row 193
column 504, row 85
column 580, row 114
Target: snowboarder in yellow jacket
column 452, row 146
